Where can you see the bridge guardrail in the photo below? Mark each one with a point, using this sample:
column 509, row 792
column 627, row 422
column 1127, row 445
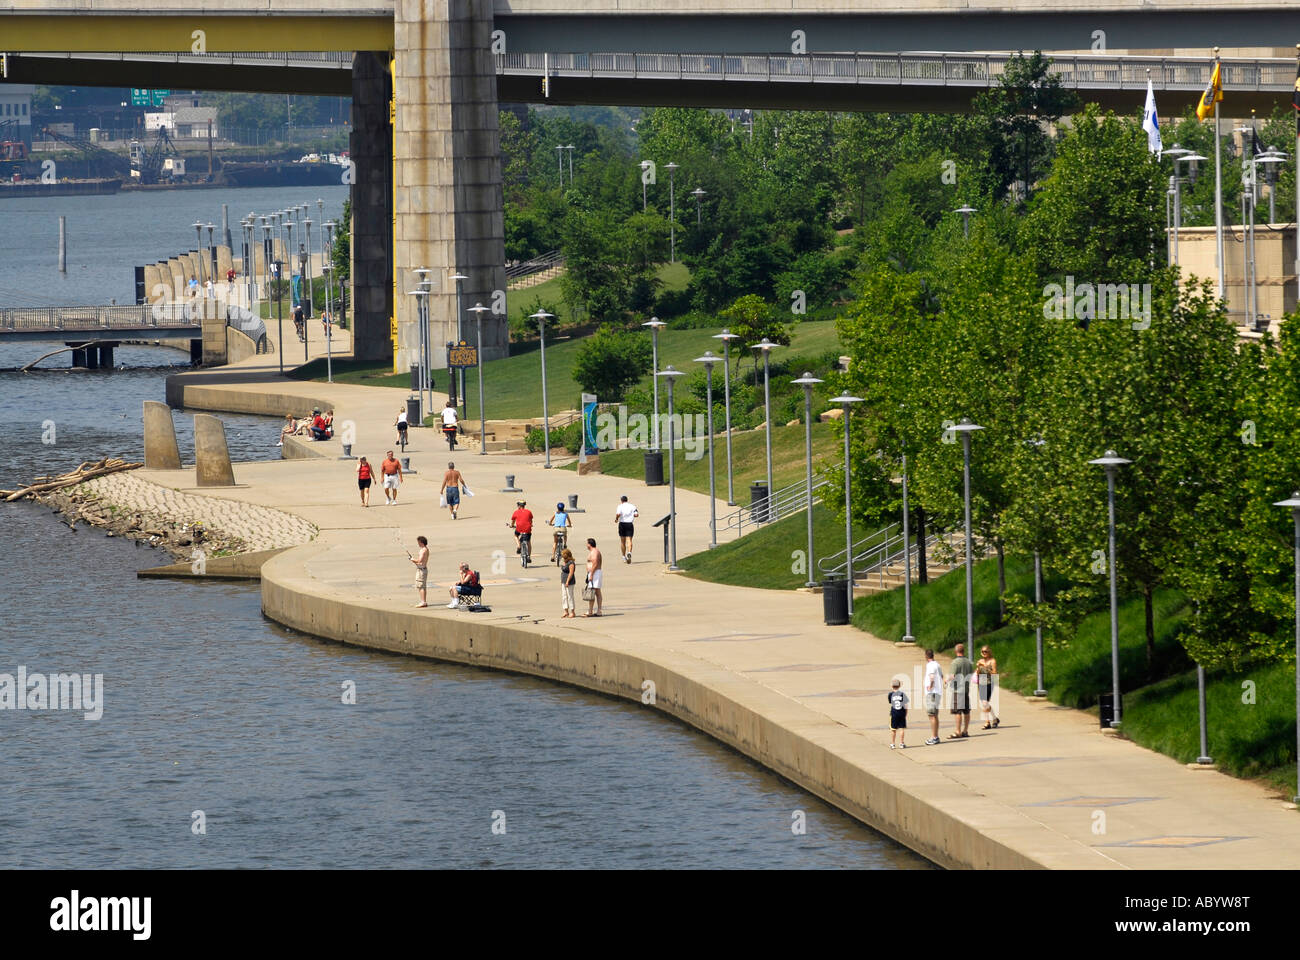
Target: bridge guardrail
column 114, row 316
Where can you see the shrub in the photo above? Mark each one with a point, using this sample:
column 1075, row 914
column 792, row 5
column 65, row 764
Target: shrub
column 610, row 361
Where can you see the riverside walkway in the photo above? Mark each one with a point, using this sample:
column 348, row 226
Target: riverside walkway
column 754, row 668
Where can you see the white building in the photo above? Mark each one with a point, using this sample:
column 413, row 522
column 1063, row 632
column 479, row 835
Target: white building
column 184, row 122
column 16, row 112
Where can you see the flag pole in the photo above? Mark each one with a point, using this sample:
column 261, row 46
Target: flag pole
column 1218, row 185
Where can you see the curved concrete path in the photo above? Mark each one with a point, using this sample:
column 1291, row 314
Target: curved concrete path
column 754, row 668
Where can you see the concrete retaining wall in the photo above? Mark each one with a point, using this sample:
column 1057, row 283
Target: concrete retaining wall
column 197, row 396
column 713, row 701
column 239, row 345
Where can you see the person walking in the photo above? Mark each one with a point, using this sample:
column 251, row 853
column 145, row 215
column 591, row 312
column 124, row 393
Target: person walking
column 568, row 576
column 933, row 695
column 451, row 481
column 392, row 471
column 421, row 561
column 365, row 474
column 897, row 716
column 401, row 425
column 624, row 515
column 594, row 578
column 986, row 673
column 962, row 669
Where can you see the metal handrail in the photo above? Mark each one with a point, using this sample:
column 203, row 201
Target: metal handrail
column 922, row 68
column 536, row 265
column 783, row 503
column 79, row 318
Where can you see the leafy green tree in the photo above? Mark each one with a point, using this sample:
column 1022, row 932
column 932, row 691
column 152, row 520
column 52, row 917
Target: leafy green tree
column 752, row 319
column 610, row 361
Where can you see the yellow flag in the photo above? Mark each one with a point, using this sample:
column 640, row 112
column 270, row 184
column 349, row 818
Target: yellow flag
column 1213, row 94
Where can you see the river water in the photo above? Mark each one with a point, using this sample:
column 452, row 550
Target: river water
column 214, row 714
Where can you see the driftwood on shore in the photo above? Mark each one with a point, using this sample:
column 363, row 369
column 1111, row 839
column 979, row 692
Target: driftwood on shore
column 87, row 471
column 89, row 343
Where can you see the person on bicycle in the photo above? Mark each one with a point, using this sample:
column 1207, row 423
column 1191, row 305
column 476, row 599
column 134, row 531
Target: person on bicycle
column 401, row 425
column 563, row 523
column 449, row 424
column 521, row 521
column 299, row 321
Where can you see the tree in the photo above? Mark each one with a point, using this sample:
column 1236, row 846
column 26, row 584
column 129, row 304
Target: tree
column 610, row 361
column 752, row 319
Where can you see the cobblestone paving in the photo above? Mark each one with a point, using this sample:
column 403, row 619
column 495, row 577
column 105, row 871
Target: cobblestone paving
column 260, row 528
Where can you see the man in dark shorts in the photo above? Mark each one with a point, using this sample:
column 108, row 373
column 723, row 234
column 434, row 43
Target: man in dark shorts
column 625, row 513
column 897, row 716
column 961, row 669
column 521, row 521
column 451, row 481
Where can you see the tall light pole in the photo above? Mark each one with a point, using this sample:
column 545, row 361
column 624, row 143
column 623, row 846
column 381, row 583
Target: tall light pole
column 672, row 214
column 426, row 353
column 212, row 257
column 279, row 312
column 808, row 381
column 699, row 194
column 569, row 150
column 669, row 375
column 328, row 270
column 559, row 158
column 279, row 345
column 1111, row 462
column 421, row 294
column 460, row 335
column 966, row 428
column 198, row 253
column 907, row 558
column 709, row 359
column 1187, row 156
column 1041, row 690
column 478, row 310
column 1293, row 505
column 541, row 316
column 645, row 165
column 311, row 298
column 654, row 323
column 965, row 210
column 846, row 402
column 726, row 336
column 766, row 346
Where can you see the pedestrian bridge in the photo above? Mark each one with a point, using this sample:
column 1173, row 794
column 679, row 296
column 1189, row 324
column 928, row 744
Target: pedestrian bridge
column 162, row 321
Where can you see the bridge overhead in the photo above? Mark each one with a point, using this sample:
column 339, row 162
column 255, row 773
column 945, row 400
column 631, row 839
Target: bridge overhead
column 427, row 188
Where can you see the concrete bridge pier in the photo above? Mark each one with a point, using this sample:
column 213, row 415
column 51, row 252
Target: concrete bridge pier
column 427, row 188
column 160, row 449
column 211, row 455
column 78, row 357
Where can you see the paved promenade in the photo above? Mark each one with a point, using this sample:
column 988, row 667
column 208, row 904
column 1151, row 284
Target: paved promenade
column 755, row 668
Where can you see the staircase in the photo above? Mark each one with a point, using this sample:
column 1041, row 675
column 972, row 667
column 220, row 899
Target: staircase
column 784, row 502
column 879, row 558
column 529, row 273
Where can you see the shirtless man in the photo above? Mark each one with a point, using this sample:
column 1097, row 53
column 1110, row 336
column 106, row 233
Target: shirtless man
column 421, row 561
column 451, row 481
column 594, row 576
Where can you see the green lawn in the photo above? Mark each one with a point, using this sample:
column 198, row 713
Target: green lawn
column 767, row 557
column 513, row 385
column 749, row 459
column 353, row 371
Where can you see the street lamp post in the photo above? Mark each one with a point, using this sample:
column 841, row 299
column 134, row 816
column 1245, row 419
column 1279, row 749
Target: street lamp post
column 559, row 159
column 541, row 316
column 212, row 257
column 198, row 253
column 907, row 559
column 478, row 310
column 654, row 323
column 726, row 336
column 645, row 165
column 279, row 345
column 421, row 294
column 311, row 296
column 328, row 270
column 847, row 401
column 1111, row 462
column 426, row 352
column 966, row 428
column 965, row 210
column 669, row 375
column 569, row 150
column 1041, row 689
column 709, row 359
column 1293, row 505
column 766, row 346
column 460, row 335
column 672, row 215
column 699, row 194
column 808, row 381
column 279, row 313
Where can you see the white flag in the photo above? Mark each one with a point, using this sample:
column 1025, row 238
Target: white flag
column 1151, row 122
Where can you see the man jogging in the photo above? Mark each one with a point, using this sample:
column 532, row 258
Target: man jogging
column 624, row 515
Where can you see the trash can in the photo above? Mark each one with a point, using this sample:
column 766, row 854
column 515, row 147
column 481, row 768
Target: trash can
column 573, row 501
column 835, row 602
column 415, row 376
column 654, row 468
column 758, row 502
column 413, row 417
column 1106, row 709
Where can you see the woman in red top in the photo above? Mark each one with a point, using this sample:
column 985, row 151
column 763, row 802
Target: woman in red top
column 365, row 473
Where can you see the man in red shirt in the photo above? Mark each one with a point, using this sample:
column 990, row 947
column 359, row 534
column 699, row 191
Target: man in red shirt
column 392, row 471
column 522, row 522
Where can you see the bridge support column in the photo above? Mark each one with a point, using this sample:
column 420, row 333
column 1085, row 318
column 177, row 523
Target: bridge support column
column 196, row 352
column 449, row 201
column 160, row 449
column 78, row 357
column 211, row 455
column 106, row 356
column 372, row 207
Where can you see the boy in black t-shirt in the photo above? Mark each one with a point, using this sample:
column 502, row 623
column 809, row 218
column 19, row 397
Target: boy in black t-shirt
column 897, row 716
